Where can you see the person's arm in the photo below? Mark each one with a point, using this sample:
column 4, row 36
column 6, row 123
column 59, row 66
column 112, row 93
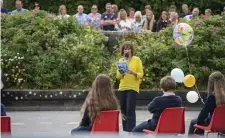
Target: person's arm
column 85, row 120
column 139, row 74
column 152, row 105
column 208, row 107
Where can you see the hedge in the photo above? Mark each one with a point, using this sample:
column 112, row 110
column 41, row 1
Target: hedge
column 42, row 53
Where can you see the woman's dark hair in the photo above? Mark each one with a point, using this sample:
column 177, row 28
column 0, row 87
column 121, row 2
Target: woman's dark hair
column 36, row 3
column 125, row 45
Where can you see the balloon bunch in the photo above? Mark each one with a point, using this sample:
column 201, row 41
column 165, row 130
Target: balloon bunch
column 183, row 35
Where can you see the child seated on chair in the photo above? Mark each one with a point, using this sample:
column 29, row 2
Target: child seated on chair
column 100, row 98
column 158, row 104
column 216, row 97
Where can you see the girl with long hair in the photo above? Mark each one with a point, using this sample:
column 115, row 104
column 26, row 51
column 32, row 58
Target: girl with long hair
column 216, row 97
column 100, row 98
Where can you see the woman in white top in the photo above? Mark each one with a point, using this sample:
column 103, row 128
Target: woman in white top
column 131, row 15
column 138, row 23
column 62, row 12
column 123, row 24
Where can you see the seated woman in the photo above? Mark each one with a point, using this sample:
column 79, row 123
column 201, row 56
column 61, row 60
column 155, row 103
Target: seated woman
column 216, row 97
column 100, row 98
column 158, row 104
column 123, row 24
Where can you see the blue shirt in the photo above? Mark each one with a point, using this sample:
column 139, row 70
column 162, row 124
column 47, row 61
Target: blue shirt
column 83, row 19
column 19, row 11
column 4, row 10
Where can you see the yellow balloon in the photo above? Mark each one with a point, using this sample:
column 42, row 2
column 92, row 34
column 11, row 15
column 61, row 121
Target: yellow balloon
column 189, row 80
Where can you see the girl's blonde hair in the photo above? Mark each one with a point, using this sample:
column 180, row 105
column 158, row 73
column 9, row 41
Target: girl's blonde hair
column 216, row 84
column 120, row 12
column 148, row 25
column 100, row 97
column 137, row 13
column 60, row 8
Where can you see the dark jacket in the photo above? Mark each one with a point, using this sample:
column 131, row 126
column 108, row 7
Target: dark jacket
column 160, row 103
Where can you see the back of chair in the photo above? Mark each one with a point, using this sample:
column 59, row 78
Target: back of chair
column 5, row 125
column 171, row 121
column 217, row 122
column 107, row 122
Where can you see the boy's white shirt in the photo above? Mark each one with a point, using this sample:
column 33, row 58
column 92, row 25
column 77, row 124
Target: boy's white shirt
column 168, row 93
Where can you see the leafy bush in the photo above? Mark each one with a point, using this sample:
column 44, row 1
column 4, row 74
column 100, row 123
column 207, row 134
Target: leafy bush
column 160, row 54
column 43, row 53
column 56, row 53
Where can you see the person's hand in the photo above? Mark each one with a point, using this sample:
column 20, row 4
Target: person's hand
column 131, row 72
column 121, row 71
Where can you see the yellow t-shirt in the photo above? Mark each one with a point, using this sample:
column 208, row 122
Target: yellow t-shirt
column 129, row 81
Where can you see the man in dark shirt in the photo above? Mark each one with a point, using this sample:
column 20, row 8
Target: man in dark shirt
column 108, row 19
column 185, row 11
column 158, row 104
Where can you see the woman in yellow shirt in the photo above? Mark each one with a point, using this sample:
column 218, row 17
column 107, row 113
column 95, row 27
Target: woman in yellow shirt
column 129, row 85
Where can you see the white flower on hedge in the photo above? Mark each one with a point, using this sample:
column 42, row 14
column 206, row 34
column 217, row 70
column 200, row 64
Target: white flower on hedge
column 22, row 58
column 17, row 53
column 16, row 66
column 15, row 57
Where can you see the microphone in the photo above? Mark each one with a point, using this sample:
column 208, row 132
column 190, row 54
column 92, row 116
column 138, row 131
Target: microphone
column 126, row 56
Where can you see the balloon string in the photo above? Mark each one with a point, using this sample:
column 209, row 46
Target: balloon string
column 191, row 73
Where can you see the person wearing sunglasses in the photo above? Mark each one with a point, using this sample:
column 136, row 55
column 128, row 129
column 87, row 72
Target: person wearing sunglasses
column 95, row 16
column 36, row 6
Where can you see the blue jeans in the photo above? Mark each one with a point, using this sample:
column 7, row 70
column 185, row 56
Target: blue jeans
column 3, row 111
column 192, row 129
column 81, row 130
column 144, row 125
column 128, row 106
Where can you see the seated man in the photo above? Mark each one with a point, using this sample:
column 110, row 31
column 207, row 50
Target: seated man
column 158, row 104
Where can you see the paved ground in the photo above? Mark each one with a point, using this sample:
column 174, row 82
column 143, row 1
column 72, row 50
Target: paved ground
column 59, row 123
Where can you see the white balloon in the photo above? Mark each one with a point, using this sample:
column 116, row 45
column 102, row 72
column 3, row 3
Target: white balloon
column 178, row 75
column 192, row 97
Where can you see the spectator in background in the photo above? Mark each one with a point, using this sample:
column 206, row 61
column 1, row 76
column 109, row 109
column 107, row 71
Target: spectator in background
column 147, row 8
column 123, row 24
column 174, row 18
column 4, row 11
column 81, row 17
column 62, row 12
column 36, row 6
column 172, row 8
column 163, row 21
column 19, row 8
column 108, row 19
column 115, row 9
column 137, row 25
column 149, row 21
column 195, row 13
column 131, row 15
column 185, row 11
column 223, row 10
column 208, row 13
column 95, row 16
